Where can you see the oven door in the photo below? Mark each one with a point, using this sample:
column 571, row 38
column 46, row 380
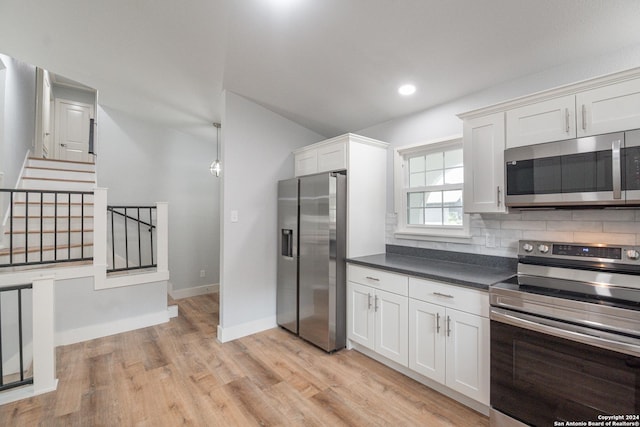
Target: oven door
column 545, row 371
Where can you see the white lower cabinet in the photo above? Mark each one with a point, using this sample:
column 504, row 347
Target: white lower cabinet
column 378, row 320
column 450, row 345
column 439, row 330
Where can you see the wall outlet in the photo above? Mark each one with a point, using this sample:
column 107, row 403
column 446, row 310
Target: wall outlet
column 203, row 273
column 490, row 240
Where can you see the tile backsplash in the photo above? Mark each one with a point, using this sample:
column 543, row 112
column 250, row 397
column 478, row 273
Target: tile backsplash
column 616, row 226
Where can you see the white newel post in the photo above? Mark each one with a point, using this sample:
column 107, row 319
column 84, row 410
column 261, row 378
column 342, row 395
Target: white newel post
column 44, row 351
column 100, row 227
column 162, row 226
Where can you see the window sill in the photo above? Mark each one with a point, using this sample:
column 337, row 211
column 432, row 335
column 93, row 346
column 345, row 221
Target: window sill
column 454, row 236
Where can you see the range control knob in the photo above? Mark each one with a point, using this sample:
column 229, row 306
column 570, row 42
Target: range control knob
column 527, row 247
column 633, row 254
column 543, row 249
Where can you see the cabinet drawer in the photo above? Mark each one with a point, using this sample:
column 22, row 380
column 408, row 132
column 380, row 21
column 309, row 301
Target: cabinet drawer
column 460, row 298
column 390, row 282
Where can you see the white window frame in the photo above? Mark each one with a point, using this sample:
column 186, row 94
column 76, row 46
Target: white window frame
column 447, row 233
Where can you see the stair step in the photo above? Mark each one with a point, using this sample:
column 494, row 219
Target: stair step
column 61, row 164
column 58, row 174
column 49, row 209
column 33, row 249
column 48, row 238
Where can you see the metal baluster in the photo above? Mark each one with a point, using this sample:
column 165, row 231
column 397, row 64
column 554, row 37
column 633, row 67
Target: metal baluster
column 26, row 228
column 113, row 244
column 151, row 231
column 126, row 239
column 41, row 224
column 139, row 241
column 10, row 229
column 20, row 334
column 55, row 225
column 69, row 226
column 82, row 226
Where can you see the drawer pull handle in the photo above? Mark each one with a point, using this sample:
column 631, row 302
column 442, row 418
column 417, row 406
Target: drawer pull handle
column 437, row 323
column 448, row 326
column 369, row 300
column 373, row 278
column 443, row 295
column 376, row 306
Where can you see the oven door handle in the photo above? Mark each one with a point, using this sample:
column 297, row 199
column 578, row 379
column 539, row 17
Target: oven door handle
column 606, row 340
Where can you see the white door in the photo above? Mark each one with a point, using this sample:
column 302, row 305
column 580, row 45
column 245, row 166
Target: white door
column 392, row 326
column 427, row 339
column 46, row 115
column 552, row 120
column 360, row 314
column 72, row 130
column 468, row 354
column 610, row 108
column 483, row 150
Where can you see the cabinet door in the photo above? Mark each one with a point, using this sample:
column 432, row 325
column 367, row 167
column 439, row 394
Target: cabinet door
column 332, row 157
column 427, row 339
column 306, row 162
column 468, row 354
column 610, row 108
column 551, row 120
column 360, row 314
column 484, row 143
column 392, row 324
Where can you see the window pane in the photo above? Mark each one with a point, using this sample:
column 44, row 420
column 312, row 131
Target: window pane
column 453, row 158
column 433, row 216
column 434, row 161
column 433, row 199
column 434, row 178
column 415, row 200
column 454, row 176
column 416, row 179
column 453, row 216
column 452, row 198
column 416, row 164
column 416, row 216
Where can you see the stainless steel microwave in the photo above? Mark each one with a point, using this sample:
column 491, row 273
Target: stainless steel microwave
column 601, row 170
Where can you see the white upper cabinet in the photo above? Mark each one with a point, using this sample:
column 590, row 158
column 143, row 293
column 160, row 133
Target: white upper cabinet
column 552, row 120
column 483, row 150
column 610, row 108
column 365, row 161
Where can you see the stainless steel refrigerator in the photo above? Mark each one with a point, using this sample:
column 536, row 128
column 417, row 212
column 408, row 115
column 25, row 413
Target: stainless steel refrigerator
column 311, row 295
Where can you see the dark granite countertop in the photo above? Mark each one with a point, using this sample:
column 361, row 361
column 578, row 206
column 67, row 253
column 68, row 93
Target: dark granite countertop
column 476, row 271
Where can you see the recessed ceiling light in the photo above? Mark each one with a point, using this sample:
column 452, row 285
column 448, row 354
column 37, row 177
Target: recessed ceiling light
column 407, row 89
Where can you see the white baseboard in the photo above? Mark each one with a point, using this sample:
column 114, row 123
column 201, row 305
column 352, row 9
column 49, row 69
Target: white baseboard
column 105, row 329
column 24, row 392
column 192, row 292
column 244, row 329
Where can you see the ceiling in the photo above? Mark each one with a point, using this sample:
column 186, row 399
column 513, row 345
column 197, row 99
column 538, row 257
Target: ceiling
column 333, row 66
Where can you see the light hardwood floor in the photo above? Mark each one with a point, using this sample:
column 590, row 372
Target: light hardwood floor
column 178, row 373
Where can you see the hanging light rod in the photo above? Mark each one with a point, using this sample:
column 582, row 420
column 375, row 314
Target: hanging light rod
column 216, row 167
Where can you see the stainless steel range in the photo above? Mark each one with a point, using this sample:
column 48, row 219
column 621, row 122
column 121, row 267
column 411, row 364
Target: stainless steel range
column 565, row 337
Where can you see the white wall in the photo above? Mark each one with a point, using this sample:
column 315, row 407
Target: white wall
column 576, row 226
column 141, row 163
column 19, row 117
column 257, row 146
column 82, row 313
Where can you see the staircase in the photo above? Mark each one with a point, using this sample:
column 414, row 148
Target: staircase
column 50, row 217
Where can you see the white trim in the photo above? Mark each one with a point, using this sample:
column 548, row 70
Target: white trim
column 245, row 329
column 129, row 279
column 434, row 144
column 24, row 393
column 86, row 333
column 346, row 137
column 569, row 89
column 463, row 236
column 172, row 311
column 193, row 291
